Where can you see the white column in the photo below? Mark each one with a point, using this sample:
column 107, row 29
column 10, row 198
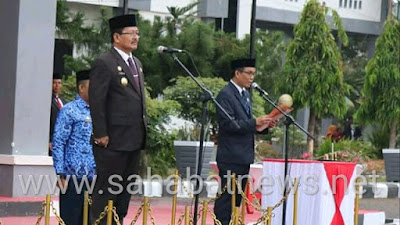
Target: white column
column 243, row 19
column 26, row 62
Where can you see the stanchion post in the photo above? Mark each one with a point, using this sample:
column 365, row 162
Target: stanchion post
column 174, row 197
column 145, row 210
column 236, row 216
column 246, row 189
column 47, row 215
column 204, row 213
column 187, row 215
column 357, row 201
column 233, row 188
column 269, row 216
column 109, row 212
column 296, row 194
column 85, row 208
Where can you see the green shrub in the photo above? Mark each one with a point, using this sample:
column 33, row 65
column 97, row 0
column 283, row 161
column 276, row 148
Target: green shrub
column 347, row 150
column 264, row 150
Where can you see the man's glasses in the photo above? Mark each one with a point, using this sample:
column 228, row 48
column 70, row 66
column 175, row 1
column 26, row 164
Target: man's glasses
column 250, row 73
column 132, row 34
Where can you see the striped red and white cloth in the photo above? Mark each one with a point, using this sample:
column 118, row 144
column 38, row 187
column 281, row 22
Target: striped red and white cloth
column 326, row 191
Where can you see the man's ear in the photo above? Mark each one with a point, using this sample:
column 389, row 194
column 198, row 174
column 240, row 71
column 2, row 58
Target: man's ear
column 116, row 37
column 80, row 87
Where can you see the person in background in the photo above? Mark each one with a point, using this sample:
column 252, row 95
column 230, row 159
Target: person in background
column 72, row 151
column 351, row 132
column 57, row 103
column 117, row 106
column 235, row 150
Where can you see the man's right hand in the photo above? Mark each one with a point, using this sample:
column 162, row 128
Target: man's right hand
column 262, row 120
column 102, row 142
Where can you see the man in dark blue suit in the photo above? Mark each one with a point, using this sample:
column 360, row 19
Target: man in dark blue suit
column 235, row 150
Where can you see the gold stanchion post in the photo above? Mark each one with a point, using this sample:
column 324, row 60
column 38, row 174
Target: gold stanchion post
column 243, row 212
column 296, row 194
column 174, row 197
column 145, row 210
column 236, row 216
column 204, row 213
column 357, row 201
column 109, row 212
column 269, row 216
column 187, row 215
column 85, row 208
column 47, row 217
column 233, row 183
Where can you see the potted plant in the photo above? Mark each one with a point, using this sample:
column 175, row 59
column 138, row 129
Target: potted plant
column 187, row 152
column 392, row 164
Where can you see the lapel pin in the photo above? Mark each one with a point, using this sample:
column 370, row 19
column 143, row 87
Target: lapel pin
column 119, row 68
column 124, row 81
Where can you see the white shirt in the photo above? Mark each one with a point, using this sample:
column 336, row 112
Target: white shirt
column 124, row 56
column 237, row 87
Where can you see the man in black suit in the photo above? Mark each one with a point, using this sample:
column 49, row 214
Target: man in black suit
column 117, row 107
column 57, row 103
column 235, row 150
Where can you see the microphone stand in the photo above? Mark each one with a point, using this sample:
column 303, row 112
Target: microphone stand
column 288, row 121
column 205, row 97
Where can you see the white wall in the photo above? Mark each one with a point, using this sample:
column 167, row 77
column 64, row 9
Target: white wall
column 370, row 10
column 113, row 3
column 243, row 21
column 150, row 15
column 161, row 5
column 92, row 12
column 92, row 15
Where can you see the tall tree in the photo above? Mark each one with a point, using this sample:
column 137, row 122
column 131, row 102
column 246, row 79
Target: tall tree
column 380, row 96
column 354, row 62
column 179, row 17
column 312, row 73
column 90, row 39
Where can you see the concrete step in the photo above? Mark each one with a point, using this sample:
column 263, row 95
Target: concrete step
column 371, row 217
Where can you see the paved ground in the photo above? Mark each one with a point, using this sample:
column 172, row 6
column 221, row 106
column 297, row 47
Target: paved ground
column 391, row 206
column 161, row 208
column 162, row 211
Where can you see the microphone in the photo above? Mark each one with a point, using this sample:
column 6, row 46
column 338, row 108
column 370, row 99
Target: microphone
column 162, row 49
column 258, row 88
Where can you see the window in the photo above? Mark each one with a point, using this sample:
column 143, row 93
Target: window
column 355, row 4
column 350, row 3
column 345, row 4
column 359, row 4
column 340, row 3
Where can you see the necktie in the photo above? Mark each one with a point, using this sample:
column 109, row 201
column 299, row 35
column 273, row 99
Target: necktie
column 245, row 102
column 134, row 72
column 58, row 100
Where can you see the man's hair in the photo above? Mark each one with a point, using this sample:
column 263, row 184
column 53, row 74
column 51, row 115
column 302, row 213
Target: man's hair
column 79, row 83
column 240, row 69
column 118, row 31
